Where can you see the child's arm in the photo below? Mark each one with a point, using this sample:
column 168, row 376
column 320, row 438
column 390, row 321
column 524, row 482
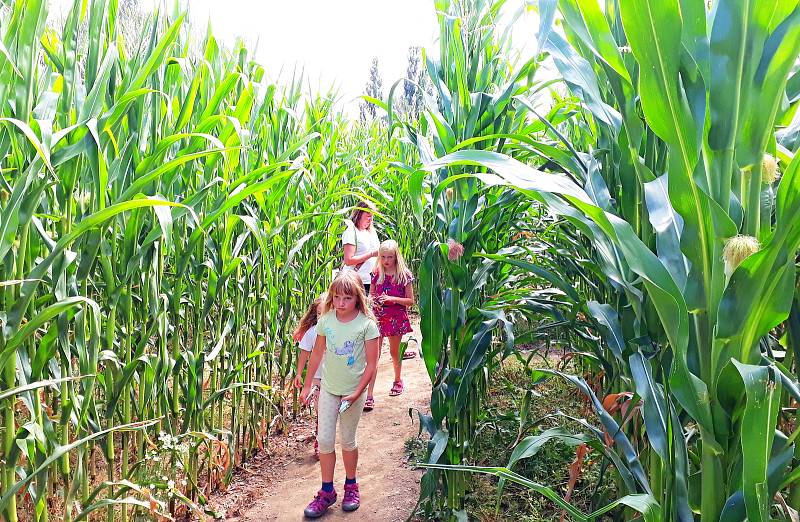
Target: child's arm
column 313, row 364
column 406, row 301
column 371, row 351
column 301, row 363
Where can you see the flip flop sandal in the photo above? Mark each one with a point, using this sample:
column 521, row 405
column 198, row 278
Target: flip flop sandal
column 369, row 404
column 409, row 354
column 397, row 388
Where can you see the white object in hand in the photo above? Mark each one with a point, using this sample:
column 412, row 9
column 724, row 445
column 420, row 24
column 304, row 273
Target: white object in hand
column 343, row 406
column 312, row 393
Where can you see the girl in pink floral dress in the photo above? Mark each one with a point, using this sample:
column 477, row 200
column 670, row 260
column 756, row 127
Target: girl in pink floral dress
column 392, row 294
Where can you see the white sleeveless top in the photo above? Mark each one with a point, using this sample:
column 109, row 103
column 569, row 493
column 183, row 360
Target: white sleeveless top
column 364, row 241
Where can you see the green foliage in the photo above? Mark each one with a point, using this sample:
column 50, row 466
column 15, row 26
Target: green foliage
column 461, row 301
column 165, row 214
column 658, row 198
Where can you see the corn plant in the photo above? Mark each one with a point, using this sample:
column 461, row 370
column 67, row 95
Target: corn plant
column 475, row 80
column 667, row 210
column 165, row 214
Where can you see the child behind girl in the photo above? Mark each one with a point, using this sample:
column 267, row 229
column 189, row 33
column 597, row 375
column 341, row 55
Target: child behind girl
column 392, row 294
column 348, row 337
column 306, row 334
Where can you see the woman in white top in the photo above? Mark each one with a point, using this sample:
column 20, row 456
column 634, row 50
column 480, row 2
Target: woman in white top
column 360, row 242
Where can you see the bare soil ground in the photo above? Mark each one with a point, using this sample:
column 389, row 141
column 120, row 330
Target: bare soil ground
column 277, row 486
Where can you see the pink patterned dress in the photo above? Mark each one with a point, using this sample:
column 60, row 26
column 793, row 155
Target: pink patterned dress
column 392, row 317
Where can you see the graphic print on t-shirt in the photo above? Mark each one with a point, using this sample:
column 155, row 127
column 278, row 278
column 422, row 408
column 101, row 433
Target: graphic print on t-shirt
column 345, row 353
column 348, row 348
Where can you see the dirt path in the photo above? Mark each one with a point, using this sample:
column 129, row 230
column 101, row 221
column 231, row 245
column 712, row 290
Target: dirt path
column 389, row 487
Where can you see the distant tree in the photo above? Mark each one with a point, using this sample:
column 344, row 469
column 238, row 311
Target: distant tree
column 131, row 19
column 374, row 88
column 410, row 86
column 416, row 84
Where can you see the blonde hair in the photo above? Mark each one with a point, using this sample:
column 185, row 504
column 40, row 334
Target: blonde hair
column 402, row 273
column 309, row 318
column 362, row 207
column 348, row 282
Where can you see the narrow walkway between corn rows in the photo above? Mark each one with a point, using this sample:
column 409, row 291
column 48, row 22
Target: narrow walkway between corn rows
column 389, row 487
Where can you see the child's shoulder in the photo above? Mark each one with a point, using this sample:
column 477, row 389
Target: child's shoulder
column 365, row 320
column 307, row 341
column 409, row 275
column 368, row 327
column 324, row 318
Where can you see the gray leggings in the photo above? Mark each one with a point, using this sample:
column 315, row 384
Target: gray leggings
column 327, row 415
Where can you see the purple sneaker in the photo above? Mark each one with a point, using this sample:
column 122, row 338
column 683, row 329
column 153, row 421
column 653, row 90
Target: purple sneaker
column 351, row 497
column 321, row 503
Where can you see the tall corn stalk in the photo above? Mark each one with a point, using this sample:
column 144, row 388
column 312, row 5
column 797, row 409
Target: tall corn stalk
column 685, row 179
column 165, row 214
column 476, row 80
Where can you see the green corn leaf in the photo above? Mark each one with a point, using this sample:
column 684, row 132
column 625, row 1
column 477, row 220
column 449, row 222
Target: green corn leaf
column 41, row 151
column 612, row 331
column 63, row 450
column 658, row 53
column 758, row 425
column 89, row 223
column 690, row 390
column 655, row 400
column 644, row 504
column 668, row 226
column 431, row 323
column 590, row 25
column 40, row 384
column 41, row 318
column 578, row 74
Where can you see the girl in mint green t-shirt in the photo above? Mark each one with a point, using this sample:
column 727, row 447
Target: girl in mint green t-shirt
column 348, row 337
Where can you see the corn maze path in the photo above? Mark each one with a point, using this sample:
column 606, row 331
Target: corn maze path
column 389, row 486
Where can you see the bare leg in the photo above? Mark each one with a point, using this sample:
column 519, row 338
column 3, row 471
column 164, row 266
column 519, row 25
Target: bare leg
column 394, row 350
column 350, row 459
column 371, row 390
